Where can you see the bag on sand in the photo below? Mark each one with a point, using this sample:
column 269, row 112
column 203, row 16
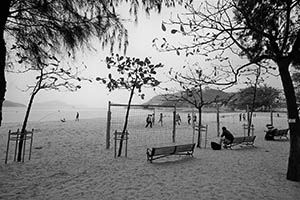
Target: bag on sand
column 215, row 146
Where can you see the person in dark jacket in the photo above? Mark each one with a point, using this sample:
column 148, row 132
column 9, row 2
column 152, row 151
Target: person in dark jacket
column 228, row 137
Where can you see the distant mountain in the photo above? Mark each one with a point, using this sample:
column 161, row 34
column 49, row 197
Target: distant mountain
column 209, row 95
column 7, row 103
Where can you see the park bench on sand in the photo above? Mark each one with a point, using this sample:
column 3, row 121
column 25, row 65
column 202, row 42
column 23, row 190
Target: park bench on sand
column 160, row 152
column 241, row 140
column 277, row 134
column 282, row 133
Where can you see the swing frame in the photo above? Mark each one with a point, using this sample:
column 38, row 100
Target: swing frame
column 145, row 106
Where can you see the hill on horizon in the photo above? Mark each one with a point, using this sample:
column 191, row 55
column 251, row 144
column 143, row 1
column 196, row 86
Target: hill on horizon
column 8, row 103
column 171, row 99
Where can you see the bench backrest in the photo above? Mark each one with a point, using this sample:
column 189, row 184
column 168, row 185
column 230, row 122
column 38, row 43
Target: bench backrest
column 249, row 138
column 163, row 150
column 185, row 147
column 238, row 139
column 281, row 132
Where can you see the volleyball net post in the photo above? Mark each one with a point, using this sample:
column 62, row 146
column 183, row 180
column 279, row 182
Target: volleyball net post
column 143, row 106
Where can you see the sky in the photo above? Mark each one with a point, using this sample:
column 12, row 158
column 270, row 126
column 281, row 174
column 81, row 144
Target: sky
column 95, row 94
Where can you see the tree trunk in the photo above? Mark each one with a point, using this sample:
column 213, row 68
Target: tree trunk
column 5, row 5
column 126, row 121
column 199, row 125
column 23, row 130
column 293, row 172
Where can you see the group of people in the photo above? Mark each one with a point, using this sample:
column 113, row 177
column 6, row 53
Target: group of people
column 189, row 118
column 150, row 119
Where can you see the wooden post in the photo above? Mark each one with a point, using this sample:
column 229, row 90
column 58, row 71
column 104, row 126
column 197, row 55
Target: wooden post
column 7, row 147
column 205, row 129
column 271, row 114
column 126, row 143
column 16, row 147
column 174, row 125
column 115, row 147
column 108, row 126
column 120, row 136
column 30, row 149
column 218, row 120
column 193, row 125
column 248, row 121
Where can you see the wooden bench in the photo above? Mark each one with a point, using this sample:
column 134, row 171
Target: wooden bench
column 277, row 133
column 160, row 152
column 281, row 133
column 242, row 140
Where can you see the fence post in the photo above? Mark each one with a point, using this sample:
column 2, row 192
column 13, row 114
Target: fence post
column 108, row 126
column 174, row 125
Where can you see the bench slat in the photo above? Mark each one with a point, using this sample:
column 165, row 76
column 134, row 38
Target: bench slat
column 163, row 151
column 160, row 152
column 247, row 140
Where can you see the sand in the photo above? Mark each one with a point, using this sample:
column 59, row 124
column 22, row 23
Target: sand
column 70, row 161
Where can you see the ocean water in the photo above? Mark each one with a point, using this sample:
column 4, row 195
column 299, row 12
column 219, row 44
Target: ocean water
column 17, row 114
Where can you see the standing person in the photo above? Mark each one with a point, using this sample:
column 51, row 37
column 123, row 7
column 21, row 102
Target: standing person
column 244, row 116
column 195, row 119
column 153, row 118
column 160, row 119
column 148, row 121
column 189, row 118
column 77, row 116
column 178, row 119
column 228, row 137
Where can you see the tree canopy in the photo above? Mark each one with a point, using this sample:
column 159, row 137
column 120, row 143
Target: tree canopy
column 36, row 28
column 266, row 96
column 266, row 33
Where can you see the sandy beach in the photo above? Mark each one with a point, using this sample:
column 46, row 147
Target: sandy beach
column 69, row 161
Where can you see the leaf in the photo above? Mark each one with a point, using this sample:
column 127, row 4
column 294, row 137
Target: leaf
column 163, row 27
column 181, row 28
column 173, row 31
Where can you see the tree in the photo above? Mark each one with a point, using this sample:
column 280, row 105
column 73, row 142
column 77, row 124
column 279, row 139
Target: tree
column 131, row 74
column 266, row 33
column 266, row 96
column 40, row 25
column 51, row 76
column 191, row 91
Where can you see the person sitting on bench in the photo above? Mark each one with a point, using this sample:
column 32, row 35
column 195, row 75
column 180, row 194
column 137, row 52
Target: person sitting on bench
column 228, row 137
column 270, row 133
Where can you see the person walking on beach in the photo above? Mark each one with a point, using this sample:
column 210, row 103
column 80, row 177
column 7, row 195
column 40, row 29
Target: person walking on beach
column 160, row 119
column 148, row 121
column 153, row 118
column 77, row 117
column 228, row 137
column 195, row 119
column 189, row 118
column 178, row 118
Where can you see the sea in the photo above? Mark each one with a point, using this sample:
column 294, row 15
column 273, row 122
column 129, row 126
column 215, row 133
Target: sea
column 17, row 114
